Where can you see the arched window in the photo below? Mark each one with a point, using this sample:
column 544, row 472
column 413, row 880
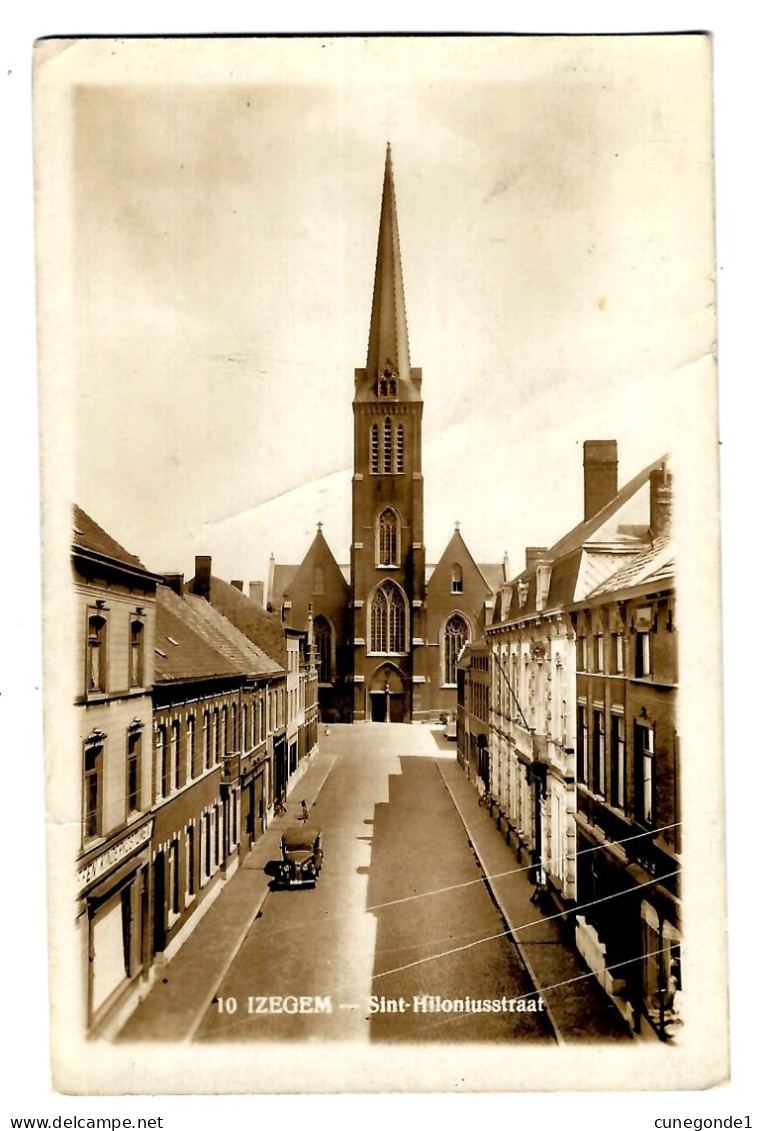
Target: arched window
column 387, row 539
column 374, row 449
column 387, row 628
column 456, row 579
column 455, row 636
column 322, row 639
column 387, row 445
column 399, row 449
column 318, row 580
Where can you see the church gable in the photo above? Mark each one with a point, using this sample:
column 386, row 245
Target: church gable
column 319, row 581
column 457, row 583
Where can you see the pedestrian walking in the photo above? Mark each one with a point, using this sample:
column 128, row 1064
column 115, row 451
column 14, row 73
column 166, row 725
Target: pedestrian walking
column 305, row 814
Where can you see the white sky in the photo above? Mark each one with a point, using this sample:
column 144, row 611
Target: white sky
column 554, row 200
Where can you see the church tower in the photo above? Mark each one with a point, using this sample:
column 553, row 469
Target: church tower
column 387, row 553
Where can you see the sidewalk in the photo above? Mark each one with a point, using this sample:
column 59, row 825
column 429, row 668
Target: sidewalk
column 175, row 1005
column 578, row 1010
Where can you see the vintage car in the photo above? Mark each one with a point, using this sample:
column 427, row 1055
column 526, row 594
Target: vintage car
column 450, row 729
column 301, row 856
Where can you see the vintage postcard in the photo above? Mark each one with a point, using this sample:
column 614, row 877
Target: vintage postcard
column 384, row 742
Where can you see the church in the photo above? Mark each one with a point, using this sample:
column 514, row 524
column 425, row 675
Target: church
column 387, row 627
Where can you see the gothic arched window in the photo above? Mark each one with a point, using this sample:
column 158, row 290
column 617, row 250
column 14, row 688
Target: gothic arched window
column 318, row 580
column 374, row 460
column 387, row 627
column 399, row 449
column 455, row 636
column 322, row 640
column 388, row 538
column 387, row 463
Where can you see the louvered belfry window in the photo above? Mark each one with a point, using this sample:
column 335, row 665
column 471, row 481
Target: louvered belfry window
column 374, row 449
column 387, row 445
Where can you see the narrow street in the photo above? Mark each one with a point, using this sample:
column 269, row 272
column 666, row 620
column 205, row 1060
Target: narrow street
column 400, row 911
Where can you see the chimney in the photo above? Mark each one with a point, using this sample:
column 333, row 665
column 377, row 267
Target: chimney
column 238, row 585
column 257, row 592
column 174, row 581
column 534, row 554
column 599, row 475
column 203, row 578
column 660, row 501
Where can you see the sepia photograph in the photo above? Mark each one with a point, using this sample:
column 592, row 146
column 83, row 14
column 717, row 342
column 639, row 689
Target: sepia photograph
column 367, row 727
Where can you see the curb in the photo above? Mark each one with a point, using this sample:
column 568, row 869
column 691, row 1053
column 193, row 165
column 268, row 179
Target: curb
column 512, row 934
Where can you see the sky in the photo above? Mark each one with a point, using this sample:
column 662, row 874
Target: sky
column 555, row 210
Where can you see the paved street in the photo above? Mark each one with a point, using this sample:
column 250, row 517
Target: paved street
column 400, row 911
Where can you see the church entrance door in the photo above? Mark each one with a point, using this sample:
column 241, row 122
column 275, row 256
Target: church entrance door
column 386, row 698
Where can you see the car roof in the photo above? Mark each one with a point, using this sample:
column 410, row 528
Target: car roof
column 301, row 837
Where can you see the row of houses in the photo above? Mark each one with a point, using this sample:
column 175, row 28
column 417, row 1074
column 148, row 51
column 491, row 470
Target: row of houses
column 567, row 726
column 197, row 711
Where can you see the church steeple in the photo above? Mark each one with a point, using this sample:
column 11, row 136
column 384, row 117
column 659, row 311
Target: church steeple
column 388, row 336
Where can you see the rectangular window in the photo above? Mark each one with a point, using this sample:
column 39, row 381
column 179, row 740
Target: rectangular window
column 93, row 784
column 582, row 745
column 643, row 654
column 207, row 849
column 191, row 755
column 617, row 762
column 190, row 862
column 95, row 678
column 175, row 754
column 133, row 771
column 644, row 759
column 617, row 658
column 581, row 653
column 174, row 879
column 136, row 653
column 598, row 752
column 163, row 762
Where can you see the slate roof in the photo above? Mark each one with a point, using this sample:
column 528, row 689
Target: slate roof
column 655, row 565
column 261, row 628
column 493, row 574
column 197, row 642
column 585, row 557
column 88, row 535
column 281, row 577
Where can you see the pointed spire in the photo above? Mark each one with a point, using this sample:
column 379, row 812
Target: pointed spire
column 388, row 337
